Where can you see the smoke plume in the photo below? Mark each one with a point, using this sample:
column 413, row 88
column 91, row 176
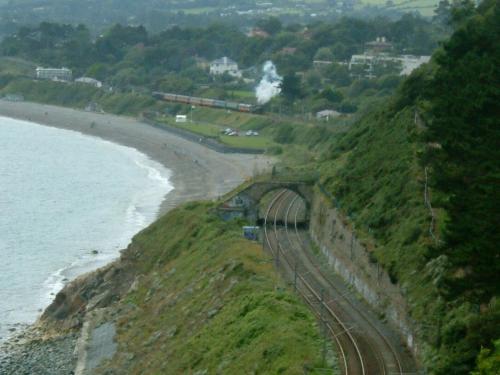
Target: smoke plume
column 269, row 85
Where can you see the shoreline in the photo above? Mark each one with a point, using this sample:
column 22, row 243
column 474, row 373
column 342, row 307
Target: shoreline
column 197, row 171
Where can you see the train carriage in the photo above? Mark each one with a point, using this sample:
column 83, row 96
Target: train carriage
column 215, row 103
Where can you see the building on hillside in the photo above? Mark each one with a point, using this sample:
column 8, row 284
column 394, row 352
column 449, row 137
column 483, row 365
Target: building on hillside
column 225, row 65
column 371, row 66
column 258, row 33
column 54, row 74
column 327, row 114
column 89, row 81
column 318, row 64
column 379, row 45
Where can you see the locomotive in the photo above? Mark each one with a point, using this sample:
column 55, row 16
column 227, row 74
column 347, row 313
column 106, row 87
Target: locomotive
column 192, row 100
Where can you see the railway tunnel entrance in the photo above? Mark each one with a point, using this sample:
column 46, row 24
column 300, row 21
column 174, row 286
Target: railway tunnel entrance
column 285, row 206
column 252, row 201
column 361, row 342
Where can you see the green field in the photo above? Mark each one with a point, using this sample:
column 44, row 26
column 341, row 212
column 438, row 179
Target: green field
column 235, row 121
column 425, row 7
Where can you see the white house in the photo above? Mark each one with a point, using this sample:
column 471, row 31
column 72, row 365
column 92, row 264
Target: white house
column 89, row 81
column 54, row 74
column 327, row 114
column 225, row 65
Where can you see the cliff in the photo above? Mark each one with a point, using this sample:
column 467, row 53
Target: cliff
column 189, row 295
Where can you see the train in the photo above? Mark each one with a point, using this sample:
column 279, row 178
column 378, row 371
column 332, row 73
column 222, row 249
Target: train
column 206, row 102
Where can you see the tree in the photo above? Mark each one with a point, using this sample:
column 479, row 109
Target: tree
column 442, row 13
column 332, row 95
column 271, row 25
column 291, row 87
column 464, row 95
column 324, row 54
column 488, row 361
column 338, row 74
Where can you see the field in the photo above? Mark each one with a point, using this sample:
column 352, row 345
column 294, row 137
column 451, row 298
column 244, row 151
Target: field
column 307, row 7
column 425, row 7
column 216, row 121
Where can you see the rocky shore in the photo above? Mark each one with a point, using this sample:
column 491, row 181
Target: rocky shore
column 55, row 344
column 27, row 354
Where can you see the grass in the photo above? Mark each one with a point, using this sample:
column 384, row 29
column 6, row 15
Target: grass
column 258, row 142
column 425, row 7
column 207, row 130
column 303, row 139
column 78, row 96
column 209, row 301
column 375, row 175
column 215, row 131
column 16, row 66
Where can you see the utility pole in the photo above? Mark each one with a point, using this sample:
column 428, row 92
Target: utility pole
column 352, row 240
column 322, row 315
column 295, row 277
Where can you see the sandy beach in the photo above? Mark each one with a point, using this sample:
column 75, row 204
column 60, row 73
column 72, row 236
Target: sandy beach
column 197, row 172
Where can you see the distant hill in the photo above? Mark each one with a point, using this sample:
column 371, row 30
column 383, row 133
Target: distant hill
column 158, row 15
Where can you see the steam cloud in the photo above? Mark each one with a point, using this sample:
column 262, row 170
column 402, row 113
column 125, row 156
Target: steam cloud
column 269, row 85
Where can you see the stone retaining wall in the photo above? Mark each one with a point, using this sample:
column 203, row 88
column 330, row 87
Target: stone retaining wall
column 352, row 261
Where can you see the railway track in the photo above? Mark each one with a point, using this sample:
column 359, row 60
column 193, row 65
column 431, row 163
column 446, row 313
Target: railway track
column 362, row 347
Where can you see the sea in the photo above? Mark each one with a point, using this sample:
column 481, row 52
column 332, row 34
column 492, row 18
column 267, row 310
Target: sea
column 68, row 204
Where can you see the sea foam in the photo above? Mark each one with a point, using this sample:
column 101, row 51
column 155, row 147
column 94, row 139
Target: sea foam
column 68, row 204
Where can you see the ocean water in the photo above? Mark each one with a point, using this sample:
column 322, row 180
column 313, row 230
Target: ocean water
column 62, row 196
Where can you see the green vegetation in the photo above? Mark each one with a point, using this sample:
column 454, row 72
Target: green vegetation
column 439, row 130
column 488, row 362
column 300, row 138
column 158, row 15
column 79, row 96
column 130, row 59
column 425, row 7
column 377, row 174
column 209, row 300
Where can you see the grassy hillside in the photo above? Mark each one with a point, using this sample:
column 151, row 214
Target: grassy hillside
column 208, row 301
column 377, row 173
column 275, row 133
column 379, row 186
column 78, row 96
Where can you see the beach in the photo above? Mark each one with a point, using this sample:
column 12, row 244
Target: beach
column 197, row 172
